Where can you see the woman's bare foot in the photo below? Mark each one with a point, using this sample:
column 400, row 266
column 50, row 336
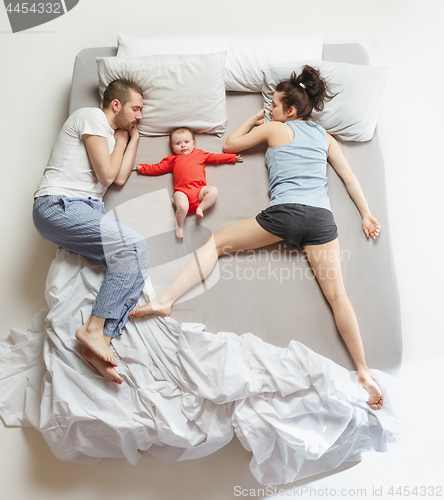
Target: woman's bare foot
column 179, row 233
column 376, row 397
column 199, row 212
column 104, row 368
column 91, row 334
column 153, row 307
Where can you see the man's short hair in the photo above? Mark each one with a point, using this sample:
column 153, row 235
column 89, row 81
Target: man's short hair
column 121, row 90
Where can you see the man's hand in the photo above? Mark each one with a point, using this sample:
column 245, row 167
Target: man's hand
column 134, row 133
column 130, row 153
column 121, row 135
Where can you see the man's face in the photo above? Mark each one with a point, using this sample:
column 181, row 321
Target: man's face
column 130, row 114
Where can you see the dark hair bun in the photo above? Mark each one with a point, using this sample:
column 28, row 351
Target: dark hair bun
column 305, row 92
column 314, row 85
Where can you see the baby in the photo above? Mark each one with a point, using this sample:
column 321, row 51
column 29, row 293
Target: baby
column 191, row 193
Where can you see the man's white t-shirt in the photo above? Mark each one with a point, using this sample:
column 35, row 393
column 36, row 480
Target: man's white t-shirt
column 69, row 171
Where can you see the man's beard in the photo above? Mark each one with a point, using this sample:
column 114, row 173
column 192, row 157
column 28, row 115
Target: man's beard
column 122, row 124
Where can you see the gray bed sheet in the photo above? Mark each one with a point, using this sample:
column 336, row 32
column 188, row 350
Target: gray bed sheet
column 272, row 293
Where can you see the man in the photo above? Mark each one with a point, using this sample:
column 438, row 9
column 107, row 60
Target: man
column 95, row 148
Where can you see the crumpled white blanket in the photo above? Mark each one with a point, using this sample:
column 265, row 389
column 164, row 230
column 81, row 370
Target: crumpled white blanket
column 185, row 391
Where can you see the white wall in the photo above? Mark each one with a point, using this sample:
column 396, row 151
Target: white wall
column 407, row 35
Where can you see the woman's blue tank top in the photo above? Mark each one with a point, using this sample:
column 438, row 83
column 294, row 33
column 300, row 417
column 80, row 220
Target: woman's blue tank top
column 298, row 170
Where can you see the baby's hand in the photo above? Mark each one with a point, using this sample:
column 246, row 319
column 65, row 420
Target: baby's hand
column 136, row 167
column 239, row 159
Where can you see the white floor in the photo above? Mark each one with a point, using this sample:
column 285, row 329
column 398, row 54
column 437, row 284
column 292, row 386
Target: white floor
column 28, row 466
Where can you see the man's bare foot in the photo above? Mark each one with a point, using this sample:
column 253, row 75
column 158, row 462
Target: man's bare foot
column 153, row 307
column 104, row 368
column 179, row 233
column 376, row 397
column 91, row 334
column 199, row 212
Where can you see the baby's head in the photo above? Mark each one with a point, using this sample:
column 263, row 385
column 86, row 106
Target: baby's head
column 182, row 141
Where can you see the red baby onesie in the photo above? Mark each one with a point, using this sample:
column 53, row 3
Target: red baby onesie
column 188, row 171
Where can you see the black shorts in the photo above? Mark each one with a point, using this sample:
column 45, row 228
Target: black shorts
column 299, row 224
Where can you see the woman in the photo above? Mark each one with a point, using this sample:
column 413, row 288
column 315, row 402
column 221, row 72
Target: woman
column 299, row 210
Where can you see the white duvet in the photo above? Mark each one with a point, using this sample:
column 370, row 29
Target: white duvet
column 185, row 391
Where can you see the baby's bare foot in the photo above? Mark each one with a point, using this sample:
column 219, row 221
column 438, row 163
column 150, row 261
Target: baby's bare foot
column 94, row 339
column 154, row 307
column 199, row 212
column 104, row 368
column 179, row 233
column 370, row 384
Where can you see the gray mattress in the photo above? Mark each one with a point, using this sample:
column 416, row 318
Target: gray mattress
column 250, row 295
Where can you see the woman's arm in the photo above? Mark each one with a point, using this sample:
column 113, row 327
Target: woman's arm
column 340, row 164
column 246, row 136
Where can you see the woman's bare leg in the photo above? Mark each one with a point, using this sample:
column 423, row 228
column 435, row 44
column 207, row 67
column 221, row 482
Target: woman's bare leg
column 243, row 235
column 182, row 206
column 207, row 196
column 325, row 261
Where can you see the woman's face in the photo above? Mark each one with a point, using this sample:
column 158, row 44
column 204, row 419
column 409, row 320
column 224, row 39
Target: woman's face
column 278, row 114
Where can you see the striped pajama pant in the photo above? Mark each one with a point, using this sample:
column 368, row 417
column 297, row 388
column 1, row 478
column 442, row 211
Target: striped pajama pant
column 81, row 225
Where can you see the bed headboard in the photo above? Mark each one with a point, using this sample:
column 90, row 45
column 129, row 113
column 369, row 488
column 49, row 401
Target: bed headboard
column 84, row 89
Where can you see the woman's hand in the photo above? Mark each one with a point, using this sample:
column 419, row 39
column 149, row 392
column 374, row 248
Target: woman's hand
column 371, row 226
column 259, row 118
column 248, row 135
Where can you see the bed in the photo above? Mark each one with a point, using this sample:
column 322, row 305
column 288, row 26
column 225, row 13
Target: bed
column 186, row 390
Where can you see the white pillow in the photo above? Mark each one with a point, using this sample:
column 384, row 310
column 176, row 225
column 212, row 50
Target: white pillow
column 353, row 114
column 178, row 90
column 245, row 55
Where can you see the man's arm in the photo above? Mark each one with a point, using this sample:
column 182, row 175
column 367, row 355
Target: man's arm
column 106, row 166
column 128, row 158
